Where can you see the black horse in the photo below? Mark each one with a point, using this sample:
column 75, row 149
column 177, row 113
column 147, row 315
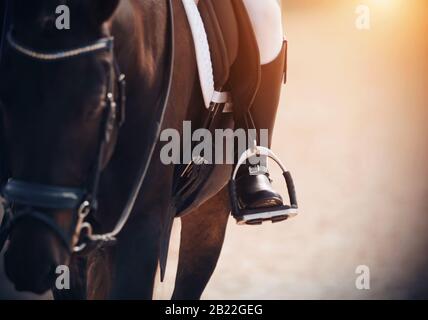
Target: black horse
column 52, row 113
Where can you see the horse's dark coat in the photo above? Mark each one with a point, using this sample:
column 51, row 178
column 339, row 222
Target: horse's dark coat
column 51, row 116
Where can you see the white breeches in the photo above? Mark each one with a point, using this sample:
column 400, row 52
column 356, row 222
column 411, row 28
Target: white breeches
column 266, row 17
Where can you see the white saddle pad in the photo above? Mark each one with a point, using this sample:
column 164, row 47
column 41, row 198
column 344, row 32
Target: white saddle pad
column 203, row 57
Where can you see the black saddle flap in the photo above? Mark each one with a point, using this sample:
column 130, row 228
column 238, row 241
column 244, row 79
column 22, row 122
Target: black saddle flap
column 222, row 31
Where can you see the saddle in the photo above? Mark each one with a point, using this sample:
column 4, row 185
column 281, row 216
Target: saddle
column 232, row 71
column 234, row 51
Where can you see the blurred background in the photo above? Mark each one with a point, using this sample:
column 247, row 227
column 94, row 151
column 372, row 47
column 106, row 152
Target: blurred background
column 353, row 128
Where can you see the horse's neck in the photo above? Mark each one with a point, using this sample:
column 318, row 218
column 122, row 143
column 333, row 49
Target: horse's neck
column 140, row 30
column 142, row 54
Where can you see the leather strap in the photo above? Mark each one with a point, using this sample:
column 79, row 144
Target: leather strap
column 64, row 236
column 6, row 7
column 43, row 196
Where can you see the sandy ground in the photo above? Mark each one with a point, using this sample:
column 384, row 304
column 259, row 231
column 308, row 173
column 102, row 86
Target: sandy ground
column 353, row 130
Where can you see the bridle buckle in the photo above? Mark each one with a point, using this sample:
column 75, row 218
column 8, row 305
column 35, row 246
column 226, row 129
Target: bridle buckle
column 84, row 209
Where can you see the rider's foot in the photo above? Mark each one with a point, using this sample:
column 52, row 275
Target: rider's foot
column 253, row 198
column 255, row 191
column 258, row 201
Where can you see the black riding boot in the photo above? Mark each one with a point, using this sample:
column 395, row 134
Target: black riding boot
column 256, row 197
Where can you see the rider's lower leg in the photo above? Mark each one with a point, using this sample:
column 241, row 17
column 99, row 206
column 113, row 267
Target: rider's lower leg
column 256, row 197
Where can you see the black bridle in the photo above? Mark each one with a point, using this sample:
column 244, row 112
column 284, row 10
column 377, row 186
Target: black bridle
column 29, row 195
column 82, row 201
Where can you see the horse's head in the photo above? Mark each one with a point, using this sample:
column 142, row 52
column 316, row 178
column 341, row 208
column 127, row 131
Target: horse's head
column 55, row 104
